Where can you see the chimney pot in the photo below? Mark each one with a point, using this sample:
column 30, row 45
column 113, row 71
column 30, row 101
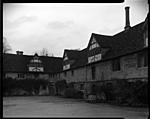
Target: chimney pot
column 19, row 52
column 127, row 26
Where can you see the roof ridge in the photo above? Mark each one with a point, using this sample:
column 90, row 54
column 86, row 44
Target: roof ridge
column 102, row 35
column 31, row 55
column 131, row 28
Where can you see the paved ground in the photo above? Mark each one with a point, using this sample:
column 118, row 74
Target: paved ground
column 50, row 106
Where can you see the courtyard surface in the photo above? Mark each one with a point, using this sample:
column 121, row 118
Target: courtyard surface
column 51, row 106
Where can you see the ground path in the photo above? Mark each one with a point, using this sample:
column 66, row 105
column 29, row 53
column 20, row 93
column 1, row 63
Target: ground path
column 52, row 106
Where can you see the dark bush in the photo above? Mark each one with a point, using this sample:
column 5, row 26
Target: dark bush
column 124, row 92
column 130, row 93
column 60, row 86
column 73, row 93
column 104, row 89
column 70, row 85
column 79, row 94
column 26, row 85
column 70, row 92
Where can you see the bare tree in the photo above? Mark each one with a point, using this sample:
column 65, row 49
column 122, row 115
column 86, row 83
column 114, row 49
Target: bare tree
column 44, row 52
column 6, row 46
column 51, row 54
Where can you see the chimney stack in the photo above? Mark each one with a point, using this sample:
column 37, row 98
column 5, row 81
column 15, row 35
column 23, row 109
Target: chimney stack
column 127, row 18
column 19, row 52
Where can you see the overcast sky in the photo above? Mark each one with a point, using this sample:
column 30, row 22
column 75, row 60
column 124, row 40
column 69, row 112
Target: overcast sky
column 57, row 26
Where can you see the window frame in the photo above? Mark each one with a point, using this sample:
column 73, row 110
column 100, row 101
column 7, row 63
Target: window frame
column 72, row 72
column 21, row 75
column 116, row 65
column 82, row 86
column 65, row 74
column 93, row 72
column 142, row 59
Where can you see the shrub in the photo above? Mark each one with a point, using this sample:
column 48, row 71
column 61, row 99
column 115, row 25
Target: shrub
column 69, row 93
column 28, row 85
column 73, row 93
column 130, row 93
column 70, row 85
column 78, row 94
column 60, row 86
column 123, row 92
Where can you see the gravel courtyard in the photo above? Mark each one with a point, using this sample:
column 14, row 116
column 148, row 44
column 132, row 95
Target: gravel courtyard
column 51, row 106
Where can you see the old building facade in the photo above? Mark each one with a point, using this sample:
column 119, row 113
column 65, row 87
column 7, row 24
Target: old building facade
column 106, row 58
column 122, row 56
column 19, row 66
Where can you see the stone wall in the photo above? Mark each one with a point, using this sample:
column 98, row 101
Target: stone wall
column 129, row 70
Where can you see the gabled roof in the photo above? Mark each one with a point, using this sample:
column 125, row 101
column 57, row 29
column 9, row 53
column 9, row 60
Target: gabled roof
column 18, row 63
column 127, row 41
column 103, row 40
column 71, row 54
column 78, row 56
column 15, row 63
column 82, row 58
column 122, row 43
column 52, row 64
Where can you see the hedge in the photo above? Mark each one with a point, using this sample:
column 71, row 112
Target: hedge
column 29, row 85
column 60, row 86
column 73, row 93
column 125, row 92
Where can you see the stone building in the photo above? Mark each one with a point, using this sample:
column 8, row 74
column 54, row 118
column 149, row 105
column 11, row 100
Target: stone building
column 19, row 66
column 106, row 58
column 121, row 56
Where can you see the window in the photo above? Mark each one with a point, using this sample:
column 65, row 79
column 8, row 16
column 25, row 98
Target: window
column 142, row 59
column 65, row 74
column 93, row 72
column 35, row 64
column 65, row 57
column 81, row 87
column 145, row 35
column 91, row 59
column 94, row 44
column 93, row 88
column 65, row 67
column 116, row 64
column 94, row 58
column 72, row 72
column 20, row 75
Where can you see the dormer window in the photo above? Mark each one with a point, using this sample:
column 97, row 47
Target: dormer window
column 93, row 41
column 94, row 58
column 65, row 57
column 35, row 60
column 65, row 67
column 94, row 44
column 36, row 64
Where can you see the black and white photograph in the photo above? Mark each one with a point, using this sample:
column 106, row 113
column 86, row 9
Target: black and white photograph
column 75, row 60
